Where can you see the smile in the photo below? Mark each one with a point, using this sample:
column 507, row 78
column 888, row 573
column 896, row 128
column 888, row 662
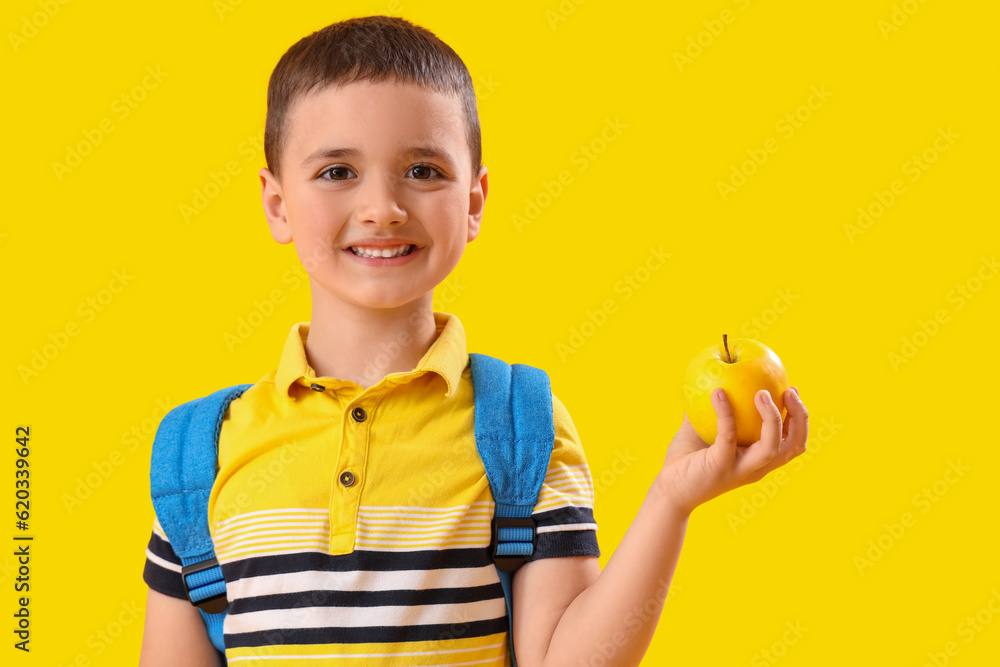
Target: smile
column 382, row 252
column 385, row 257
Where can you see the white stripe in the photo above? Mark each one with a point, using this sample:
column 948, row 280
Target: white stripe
column 162, row 563
column 299, row 547
column 440, row 516
column 242, row 522
column 274, row 541
column 256, row 523
column 567, row 526
column 502, row 657
column 410, row 508
column 558, row 473
column 403, row 522
column 581, row 466
column 441, row 547
column 567, row 484
column 376, row 655
column 279, row 529
column 228, row 556
column 363, row 580
column 426, row 530
column 424, row 544
column 553, row 502
column 362, row 617
column 309, row 513
column 561, row 482
column 291, row 534
column 257, row 552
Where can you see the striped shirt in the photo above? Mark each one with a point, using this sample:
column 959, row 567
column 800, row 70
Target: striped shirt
column 354, row 523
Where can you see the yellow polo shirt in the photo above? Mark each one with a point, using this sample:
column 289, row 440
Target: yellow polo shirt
column 353, row 524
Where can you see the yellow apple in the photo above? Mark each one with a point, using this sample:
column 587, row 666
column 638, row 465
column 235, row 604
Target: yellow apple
column 742, row 367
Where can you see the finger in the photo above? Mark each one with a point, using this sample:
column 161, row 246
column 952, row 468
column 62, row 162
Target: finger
column 785, row 421
column 791, row 444
column 786, row 453
column 766, row 449
column 798, row 421
column 724, row 447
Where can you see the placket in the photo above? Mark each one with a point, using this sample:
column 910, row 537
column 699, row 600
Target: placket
column 350, row 472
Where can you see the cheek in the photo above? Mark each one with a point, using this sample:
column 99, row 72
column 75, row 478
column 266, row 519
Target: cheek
column 314, row 243
column 316, row 222
column 451, row 212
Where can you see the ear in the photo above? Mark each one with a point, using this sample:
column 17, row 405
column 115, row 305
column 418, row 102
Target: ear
column 477, row 202
column 274, row 207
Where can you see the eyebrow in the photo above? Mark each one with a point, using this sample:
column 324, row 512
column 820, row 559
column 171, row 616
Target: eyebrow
column 339, row 153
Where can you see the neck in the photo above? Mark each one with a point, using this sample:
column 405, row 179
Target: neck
column 350, row 342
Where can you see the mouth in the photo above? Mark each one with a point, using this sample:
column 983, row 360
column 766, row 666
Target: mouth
column 398, row 257
column 377, row 253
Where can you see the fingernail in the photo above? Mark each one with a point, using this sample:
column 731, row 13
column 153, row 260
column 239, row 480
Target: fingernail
column 766, row 397
column 720, row 394
column 796, row 390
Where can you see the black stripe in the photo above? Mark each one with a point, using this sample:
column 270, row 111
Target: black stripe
column 163, row 580
column 566, row 543
column 375, row 561
column 159, row 578
column 330, row 598
column 377, row 634
column 162, row 548
column 564, row 515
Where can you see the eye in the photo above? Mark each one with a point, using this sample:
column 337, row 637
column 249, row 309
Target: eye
column 422, row 172
column 336, row 173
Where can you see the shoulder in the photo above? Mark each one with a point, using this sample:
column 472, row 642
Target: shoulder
column 567, row 449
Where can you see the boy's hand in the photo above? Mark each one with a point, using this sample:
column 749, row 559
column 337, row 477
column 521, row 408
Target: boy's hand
column 694, row 472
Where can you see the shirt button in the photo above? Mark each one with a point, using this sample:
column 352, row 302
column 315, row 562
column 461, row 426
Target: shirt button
column 359, row 414
column 347, row 478
column 317, row 387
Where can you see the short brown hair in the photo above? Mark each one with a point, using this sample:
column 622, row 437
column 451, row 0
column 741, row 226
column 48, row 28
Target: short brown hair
column 367, row 48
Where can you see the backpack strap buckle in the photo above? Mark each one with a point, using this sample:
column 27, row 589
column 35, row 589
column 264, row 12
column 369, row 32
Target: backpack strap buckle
column 207, row 587
column 512, row 541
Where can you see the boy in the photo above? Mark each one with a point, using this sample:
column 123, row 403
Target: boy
column 351, row 510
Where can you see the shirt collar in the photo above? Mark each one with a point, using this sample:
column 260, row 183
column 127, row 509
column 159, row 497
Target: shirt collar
column 447, row 356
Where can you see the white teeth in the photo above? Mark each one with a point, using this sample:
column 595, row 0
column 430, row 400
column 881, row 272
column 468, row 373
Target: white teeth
column 380, row 252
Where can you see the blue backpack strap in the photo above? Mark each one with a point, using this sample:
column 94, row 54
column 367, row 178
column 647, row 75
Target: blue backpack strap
column 181, row 475
column 515, row 436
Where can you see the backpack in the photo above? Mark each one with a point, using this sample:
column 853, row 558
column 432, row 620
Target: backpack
column 514, row 436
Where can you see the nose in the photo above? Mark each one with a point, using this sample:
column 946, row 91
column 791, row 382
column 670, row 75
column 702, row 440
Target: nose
column 379, row 201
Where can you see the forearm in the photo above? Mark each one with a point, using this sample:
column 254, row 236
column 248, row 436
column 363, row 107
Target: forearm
column 618, row 613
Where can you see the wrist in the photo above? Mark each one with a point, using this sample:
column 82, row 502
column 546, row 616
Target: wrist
column 666, row 502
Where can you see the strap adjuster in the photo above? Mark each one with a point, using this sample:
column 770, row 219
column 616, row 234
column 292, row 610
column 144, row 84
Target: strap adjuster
column 509, row 547
column 213, row 604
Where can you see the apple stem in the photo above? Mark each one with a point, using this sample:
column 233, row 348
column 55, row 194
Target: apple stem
column 726, row 345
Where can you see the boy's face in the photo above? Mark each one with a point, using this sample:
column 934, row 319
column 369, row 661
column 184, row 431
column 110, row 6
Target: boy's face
column 382, row 182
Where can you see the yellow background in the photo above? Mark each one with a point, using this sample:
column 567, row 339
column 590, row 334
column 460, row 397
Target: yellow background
column 551, row 76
